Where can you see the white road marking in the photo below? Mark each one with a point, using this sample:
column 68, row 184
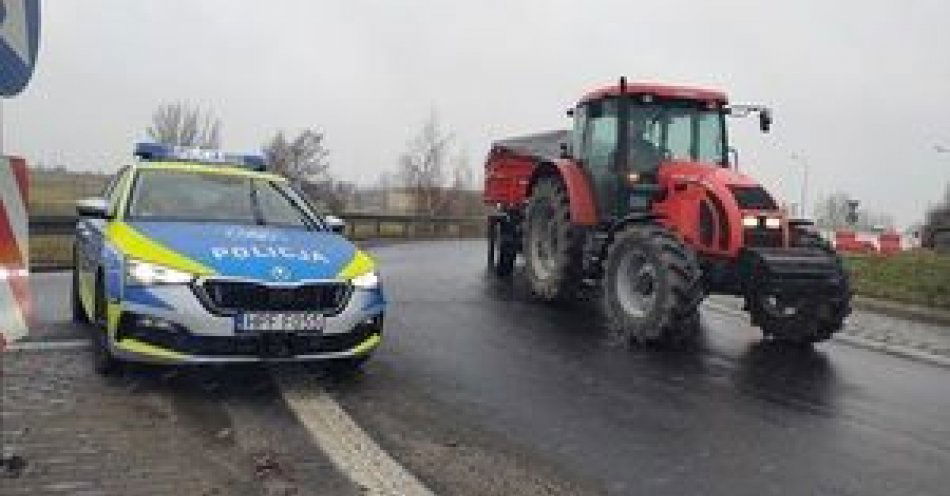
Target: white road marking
column 72, row 344
column 350, row 448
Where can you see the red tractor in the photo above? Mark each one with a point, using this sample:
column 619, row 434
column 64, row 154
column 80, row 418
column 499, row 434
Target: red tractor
column 642, row 199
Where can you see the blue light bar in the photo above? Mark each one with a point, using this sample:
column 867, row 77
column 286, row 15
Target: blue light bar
column 157, row 152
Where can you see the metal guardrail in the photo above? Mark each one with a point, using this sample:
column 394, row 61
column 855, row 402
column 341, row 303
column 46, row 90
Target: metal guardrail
column 57, row 230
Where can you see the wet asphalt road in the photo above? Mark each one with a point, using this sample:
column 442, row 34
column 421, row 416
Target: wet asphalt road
column 477, row 382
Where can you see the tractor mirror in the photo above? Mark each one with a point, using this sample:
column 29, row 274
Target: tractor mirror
column 765, row 120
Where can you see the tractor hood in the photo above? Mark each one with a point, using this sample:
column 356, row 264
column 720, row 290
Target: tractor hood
column 748, row 194
column 705, row 173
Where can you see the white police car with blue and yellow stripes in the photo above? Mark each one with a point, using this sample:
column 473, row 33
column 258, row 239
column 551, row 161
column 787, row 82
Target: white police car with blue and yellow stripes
column 193, row 256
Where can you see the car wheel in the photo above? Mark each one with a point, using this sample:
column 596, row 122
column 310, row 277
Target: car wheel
column 79, row 314
column 104, row 362
column 346, row 367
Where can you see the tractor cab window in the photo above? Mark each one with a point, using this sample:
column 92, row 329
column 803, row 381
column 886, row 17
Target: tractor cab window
column 675, row 131
column 599, row 147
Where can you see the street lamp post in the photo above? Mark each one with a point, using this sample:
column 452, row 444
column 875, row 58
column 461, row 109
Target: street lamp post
column 803, row 194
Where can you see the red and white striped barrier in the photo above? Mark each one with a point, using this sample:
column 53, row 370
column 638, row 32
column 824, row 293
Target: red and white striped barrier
column 15, row 300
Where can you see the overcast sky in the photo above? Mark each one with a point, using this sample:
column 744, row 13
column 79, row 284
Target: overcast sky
column 861, row 89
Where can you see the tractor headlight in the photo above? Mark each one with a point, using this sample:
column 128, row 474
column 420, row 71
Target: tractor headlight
column 141, row 273
column 773, row 223
column 369, row 280
column 750, row 221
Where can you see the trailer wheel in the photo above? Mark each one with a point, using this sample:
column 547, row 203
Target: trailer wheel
column 651, row 288
column 807, row 319
column 502, row 247
column 551, row 244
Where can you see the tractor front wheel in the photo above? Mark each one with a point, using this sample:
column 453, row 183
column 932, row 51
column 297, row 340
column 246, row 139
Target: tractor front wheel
column 651, row 287
column 803, row 319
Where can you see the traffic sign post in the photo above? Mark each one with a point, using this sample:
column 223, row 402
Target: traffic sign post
column 19, row 44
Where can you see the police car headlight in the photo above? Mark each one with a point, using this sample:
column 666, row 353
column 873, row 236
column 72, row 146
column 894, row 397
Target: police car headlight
column 142, row 273
column 369, row 280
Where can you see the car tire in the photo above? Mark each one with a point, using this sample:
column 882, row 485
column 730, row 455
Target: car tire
column 346, row 367
column 78, row 312
column 104, row 362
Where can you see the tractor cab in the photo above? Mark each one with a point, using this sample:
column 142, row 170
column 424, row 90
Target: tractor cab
column 623, row 135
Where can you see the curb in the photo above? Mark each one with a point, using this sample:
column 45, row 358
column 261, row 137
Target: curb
column 896, row 350
column 902, row 310
column 859, row 342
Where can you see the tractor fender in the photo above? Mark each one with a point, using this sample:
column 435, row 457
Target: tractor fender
column 582, row 205
column 633, row 218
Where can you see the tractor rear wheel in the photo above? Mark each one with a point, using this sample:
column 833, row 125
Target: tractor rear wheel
column 502, row 248
column 651, row 287
column 804, row 319
column 552, row 247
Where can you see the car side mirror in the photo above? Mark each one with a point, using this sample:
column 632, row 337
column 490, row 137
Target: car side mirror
column 335, row 223
column 765, row 120
column 94, row 208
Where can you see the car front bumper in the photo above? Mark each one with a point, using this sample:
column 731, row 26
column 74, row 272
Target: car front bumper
column 170, row 324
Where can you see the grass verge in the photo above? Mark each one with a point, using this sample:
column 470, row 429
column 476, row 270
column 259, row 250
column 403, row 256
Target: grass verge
column 917, row 277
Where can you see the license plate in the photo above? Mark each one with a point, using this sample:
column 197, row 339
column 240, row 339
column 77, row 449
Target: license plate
column 280, row 321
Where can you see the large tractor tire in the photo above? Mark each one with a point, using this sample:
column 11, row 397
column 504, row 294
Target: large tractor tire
column 552, row 245
column 502, row 247
column 805, row 319
column 651, row 288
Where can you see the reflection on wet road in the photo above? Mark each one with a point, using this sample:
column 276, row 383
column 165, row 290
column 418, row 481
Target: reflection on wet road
column 476, row 384
column 732, row 416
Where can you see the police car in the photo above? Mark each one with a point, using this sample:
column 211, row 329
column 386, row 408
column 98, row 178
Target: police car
column 197, row 256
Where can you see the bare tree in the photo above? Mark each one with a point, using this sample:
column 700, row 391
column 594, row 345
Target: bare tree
column 183, row 124
column 422, row 167
column 303, row 159
column 463, row 199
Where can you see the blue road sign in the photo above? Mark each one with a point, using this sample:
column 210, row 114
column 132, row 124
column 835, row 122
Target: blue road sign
column 19, row 42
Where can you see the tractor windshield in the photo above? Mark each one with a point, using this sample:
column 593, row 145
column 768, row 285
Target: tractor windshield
column 675, row 130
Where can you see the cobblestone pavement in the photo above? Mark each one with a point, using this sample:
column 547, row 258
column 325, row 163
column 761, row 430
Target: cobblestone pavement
column 928, row 338
column 153, row 431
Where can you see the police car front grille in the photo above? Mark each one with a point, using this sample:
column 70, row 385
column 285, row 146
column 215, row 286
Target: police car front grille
column 233, row 296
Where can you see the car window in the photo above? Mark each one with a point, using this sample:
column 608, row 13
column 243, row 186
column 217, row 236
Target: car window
column 163, row 195
column 115, row 189
column 276, row 207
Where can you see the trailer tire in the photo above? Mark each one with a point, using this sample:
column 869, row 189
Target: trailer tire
column 502, row 247
column 551, row 244
column 651, row 288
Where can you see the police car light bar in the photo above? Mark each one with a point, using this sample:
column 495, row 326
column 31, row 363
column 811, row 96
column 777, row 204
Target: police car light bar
column 157, row 152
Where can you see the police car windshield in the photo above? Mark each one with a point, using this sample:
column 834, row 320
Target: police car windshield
column 160, row 195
